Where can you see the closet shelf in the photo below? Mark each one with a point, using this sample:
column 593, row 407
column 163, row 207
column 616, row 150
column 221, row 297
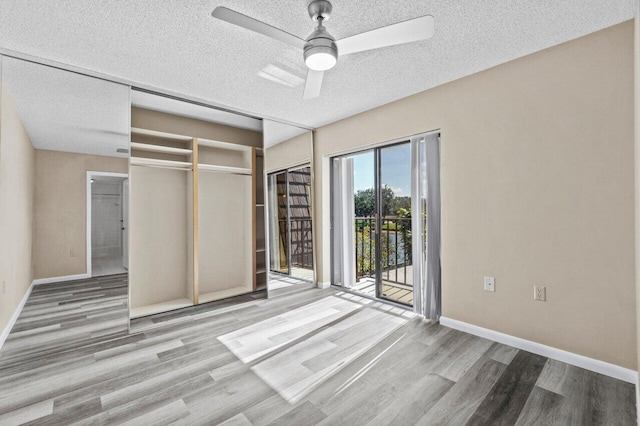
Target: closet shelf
column 224, row 169
column 169, row 305
column 259, row 205
column 159, row 148
column 260, row 250
column 157, row 134
column 152, row 162
column 223, row 145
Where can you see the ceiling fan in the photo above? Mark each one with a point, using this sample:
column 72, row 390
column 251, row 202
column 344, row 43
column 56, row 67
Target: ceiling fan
column 320, row 49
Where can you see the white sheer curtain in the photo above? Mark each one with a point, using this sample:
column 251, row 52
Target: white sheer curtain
column 343, row 223
column 425, row 193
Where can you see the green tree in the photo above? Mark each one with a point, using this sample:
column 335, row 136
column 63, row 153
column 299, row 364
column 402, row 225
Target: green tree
column 403, row 202
column 365, row 202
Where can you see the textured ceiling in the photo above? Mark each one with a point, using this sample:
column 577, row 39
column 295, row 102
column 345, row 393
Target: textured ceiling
column 175, row 45
column 275, row 132
column 64, row 111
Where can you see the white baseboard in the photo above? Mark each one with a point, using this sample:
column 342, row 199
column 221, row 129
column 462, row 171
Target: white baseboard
column 323, row 285
column 60, row 279
column 611, row 370
column 14, row 317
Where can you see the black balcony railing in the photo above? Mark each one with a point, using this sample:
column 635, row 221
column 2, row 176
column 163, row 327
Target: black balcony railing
column 395, row 245
column 301, row 241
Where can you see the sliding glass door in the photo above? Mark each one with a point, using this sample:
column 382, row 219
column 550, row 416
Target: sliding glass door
column 371, row 223
column 290, row 223
column 385, row 223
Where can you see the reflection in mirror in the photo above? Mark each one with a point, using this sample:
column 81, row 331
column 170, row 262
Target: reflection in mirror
column 279, row 223
column 64, row 165
column 289, row 208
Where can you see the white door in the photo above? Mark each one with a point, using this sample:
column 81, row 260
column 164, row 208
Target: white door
column 125, row 223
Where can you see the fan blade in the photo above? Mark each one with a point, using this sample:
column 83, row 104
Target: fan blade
column 251, row 24
column 313, row 85
column 403, row 32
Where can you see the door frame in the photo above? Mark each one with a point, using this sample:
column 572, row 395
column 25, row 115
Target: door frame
column 327, row 199
column 90, row 175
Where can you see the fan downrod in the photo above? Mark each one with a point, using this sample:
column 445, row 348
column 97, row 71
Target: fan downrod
column 320, row 9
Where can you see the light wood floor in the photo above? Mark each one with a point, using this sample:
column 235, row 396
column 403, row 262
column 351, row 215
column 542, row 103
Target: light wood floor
column 303, row 358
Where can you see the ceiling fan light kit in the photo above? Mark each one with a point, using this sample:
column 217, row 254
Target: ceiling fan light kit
column 320, row 49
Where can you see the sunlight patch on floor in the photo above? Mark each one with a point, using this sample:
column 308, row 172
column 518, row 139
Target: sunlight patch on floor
column 298, row 350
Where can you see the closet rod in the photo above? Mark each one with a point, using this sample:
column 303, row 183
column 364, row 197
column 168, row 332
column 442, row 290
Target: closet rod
column 163, row 167
column 224, row 172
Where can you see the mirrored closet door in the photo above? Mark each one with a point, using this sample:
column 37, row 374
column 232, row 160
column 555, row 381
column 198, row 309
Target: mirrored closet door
column 65, row 146
column 289, row 208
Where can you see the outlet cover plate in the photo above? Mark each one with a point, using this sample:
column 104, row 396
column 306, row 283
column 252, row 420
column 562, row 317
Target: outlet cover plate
column 489, row 283
column 539, row 293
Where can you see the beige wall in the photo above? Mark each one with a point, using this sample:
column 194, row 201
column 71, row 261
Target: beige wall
column 293, row 152
column 187, row 126
column 59, row 245
column 16, row 208
column 537, row 189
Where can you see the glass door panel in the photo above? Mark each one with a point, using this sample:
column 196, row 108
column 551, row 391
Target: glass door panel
column 364, row 217
column 395, row 278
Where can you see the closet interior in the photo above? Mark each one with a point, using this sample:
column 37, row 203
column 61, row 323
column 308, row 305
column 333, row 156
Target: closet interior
column 197, row 220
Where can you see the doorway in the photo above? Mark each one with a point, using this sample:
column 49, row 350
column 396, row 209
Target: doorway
column 107, row 223
column 372, row 222
column 385, row 223
column 290, row 223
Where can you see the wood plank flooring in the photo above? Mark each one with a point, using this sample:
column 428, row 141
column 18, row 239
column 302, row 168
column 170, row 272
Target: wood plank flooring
column 305, row 357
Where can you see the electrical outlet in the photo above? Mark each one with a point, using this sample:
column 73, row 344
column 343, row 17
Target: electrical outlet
column 489, row 284
column 540, row 293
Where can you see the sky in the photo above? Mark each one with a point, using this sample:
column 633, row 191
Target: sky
column 396, row 169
